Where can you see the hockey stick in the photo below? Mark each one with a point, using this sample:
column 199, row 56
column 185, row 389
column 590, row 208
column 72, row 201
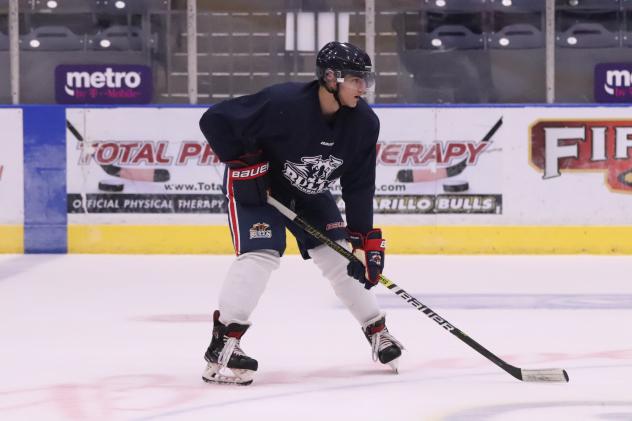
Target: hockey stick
column 136, row 174
column 539, row 375
column 427, row 174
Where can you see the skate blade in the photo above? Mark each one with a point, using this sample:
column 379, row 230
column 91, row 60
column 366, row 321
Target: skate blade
column 223, row 380
column 240, row 377
column 394, row 365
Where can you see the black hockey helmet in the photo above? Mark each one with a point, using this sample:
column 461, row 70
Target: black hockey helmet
column 344, row 59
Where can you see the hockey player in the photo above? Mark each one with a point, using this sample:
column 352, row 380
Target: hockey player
column 294, row 140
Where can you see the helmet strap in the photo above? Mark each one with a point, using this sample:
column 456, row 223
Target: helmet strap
column 332, row 91
column 335, row 92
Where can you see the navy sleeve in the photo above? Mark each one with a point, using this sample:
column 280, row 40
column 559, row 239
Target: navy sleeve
column 232, row 126
column 358, row 184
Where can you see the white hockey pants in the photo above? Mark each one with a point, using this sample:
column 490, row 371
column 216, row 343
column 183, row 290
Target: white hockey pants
column 249, row 274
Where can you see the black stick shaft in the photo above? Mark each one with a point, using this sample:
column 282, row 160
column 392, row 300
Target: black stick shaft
column 431, row 314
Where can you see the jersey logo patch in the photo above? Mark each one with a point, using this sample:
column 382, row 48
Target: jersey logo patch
column 260, row 230
column 312, row 175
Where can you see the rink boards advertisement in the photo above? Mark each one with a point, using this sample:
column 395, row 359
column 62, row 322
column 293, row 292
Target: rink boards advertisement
column 449, row 180
column 11, row 181
column 154, row 164
column 474, row 166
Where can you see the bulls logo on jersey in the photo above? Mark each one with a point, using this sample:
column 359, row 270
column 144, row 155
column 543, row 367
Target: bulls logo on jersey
column 260, row 230
column 311, row 176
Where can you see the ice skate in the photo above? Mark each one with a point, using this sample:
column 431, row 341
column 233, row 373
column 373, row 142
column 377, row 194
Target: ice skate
column 227, row 362
column 385, row 347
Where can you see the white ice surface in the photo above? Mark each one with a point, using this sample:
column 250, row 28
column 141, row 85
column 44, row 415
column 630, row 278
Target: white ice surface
column 86, row 337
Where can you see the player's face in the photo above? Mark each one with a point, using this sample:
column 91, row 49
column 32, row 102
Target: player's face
column 350, row 91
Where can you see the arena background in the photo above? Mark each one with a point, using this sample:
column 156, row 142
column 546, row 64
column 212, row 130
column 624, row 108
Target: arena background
column 100, row 150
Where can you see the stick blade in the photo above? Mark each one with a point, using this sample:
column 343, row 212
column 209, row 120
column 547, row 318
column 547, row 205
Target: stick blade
column 545, row 375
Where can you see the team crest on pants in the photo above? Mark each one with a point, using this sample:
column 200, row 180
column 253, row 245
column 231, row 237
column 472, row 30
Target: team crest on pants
column 312, row 175
column 260, row 230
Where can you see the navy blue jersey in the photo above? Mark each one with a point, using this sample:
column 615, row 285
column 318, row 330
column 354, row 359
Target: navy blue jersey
column 307, row 152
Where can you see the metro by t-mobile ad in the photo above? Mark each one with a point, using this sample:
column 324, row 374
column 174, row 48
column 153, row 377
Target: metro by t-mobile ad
column 103, row 84
column 613, row 82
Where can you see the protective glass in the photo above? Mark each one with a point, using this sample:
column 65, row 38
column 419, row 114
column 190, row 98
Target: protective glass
column 358, row 79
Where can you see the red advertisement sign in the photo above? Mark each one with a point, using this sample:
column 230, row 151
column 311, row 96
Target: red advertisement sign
column 562, row 145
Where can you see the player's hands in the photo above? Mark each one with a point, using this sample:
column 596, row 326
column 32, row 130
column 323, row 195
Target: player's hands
column 369, row 249
column 248, row 180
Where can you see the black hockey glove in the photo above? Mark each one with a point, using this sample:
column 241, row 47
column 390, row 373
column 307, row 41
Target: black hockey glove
column 248, row 180
column 369, row 249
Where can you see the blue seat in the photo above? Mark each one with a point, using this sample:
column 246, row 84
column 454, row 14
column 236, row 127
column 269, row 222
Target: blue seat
column 518, row 6
column 589, row 5
column 51, row 38
column 587, row 35
column 591, row 23
column 517, row 36
column 455, row 5
column 119, row 38
column 451, row 37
